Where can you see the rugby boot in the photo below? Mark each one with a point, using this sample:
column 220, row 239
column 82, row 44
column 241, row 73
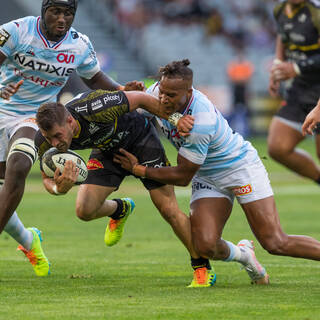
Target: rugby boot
column 202, row 278
column 114, row 230
column 36, row 256
column 255, row 270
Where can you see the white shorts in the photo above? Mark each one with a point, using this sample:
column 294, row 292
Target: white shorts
column 248, row 183
column 9, row 126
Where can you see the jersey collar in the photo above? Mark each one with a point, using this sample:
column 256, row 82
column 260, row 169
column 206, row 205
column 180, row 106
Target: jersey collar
column 44, row 39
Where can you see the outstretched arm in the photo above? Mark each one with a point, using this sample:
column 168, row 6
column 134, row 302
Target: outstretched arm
column 179, row 175
column 152, row 104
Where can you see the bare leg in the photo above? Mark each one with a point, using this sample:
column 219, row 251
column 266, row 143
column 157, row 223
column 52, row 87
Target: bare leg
column 282, row 141
column 165, row 200
column 91, row 202
column 16, row 171
column 264, row 221
column 208, row 217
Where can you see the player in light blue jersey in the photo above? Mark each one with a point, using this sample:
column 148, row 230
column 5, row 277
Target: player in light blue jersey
column 221, row 166
column 37, row 56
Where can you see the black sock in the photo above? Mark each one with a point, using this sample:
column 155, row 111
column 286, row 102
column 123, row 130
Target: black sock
column 317, row 181
column 200, row 263
column 120, row 211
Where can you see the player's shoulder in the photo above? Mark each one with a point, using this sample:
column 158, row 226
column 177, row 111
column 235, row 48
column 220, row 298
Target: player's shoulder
column 201, row 102
column 153, row 89
column 79, row 38
column 20, row 24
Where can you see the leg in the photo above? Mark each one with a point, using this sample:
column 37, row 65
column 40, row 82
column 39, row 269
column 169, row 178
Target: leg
column 91, row 202
column 208, row 218
column 20, row 159
column 282, row 141
column 165, row 200
column 264, row 221
column 17, row 168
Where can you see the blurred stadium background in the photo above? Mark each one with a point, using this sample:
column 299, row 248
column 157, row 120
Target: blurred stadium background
column 230, row 44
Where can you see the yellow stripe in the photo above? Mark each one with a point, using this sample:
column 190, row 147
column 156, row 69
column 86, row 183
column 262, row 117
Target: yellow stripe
column 305, row 48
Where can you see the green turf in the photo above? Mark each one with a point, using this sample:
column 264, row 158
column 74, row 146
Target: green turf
column 145, row 275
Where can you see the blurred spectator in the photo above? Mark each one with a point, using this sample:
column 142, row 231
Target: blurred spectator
column 240, row 71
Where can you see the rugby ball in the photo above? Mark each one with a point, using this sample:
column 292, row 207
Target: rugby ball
column 53, row 159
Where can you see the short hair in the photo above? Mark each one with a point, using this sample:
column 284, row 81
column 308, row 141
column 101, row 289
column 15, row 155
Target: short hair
column 177, row 69
column 51, row 113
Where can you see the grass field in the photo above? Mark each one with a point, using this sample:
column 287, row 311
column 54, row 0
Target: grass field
column 145, row 275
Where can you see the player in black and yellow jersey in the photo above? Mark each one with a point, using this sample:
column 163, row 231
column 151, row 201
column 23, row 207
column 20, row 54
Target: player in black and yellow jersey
column 297, row 66
column 101, row 120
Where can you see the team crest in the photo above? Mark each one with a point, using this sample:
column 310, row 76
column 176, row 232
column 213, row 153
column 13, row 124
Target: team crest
column 4, row 36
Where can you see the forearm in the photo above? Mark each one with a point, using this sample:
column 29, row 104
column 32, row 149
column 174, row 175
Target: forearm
column 102, row 81
column 51, row 186
column 166, row 175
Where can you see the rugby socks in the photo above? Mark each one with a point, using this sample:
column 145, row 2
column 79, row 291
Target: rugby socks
column 200, row 263
column 120, row 211
column 235, row 253
column 18, row 232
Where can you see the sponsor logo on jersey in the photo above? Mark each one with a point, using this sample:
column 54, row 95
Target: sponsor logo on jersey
column 4, row 36
column 115, row 98
column 93, row 128
column 39, row 81
column 83, row 108
column 32, row 64
column 94, row 164
column 296, row 37
column 97, row 104
column 65, row 58
column 241, row 191
column 302, row 18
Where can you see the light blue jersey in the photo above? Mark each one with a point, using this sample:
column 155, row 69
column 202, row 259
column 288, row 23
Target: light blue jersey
column 212, row 143
column 43, row 65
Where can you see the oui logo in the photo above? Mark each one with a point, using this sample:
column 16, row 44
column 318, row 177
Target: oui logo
column 63, row 57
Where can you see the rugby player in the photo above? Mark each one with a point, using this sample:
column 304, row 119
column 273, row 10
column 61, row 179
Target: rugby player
column 100, row 120
column 297, row 66
column 221, row 166
column 37, row 56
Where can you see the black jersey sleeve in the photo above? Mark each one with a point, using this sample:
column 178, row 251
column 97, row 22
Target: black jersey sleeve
column 41, row 144
column 104, row 106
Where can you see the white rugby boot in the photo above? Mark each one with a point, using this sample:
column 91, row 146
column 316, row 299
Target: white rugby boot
column 255, row 270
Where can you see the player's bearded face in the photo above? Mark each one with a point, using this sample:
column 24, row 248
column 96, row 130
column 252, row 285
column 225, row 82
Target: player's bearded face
column 58, row 21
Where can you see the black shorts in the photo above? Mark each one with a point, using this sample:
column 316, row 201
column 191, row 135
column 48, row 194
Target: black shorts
column 295, row 111
column 103, row 171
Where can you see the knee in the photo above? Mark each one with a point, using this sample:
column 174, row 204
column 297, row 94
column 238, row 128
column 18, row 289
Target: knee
column 18, row 166
column 276, row 151
column 83, row 212
column 205, row 246
column 275, row 244
column 169, row 212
